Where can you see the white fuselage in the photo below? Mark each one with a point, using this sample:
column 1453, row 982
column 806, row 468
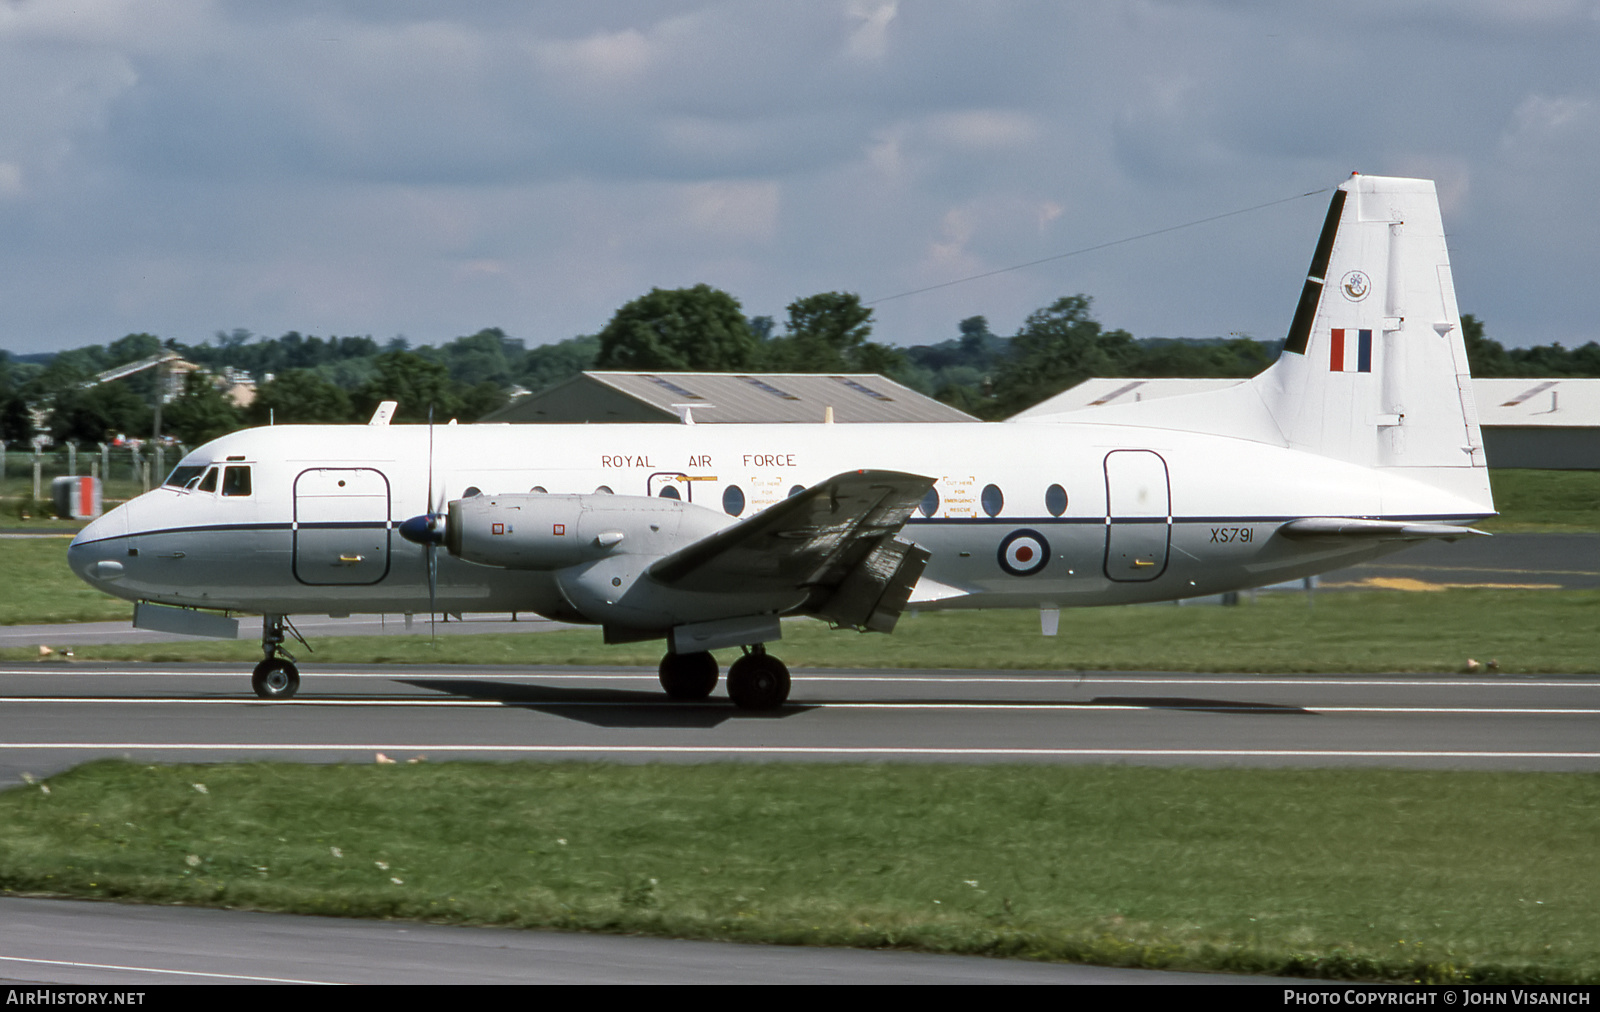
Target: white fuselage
column 1147, row 514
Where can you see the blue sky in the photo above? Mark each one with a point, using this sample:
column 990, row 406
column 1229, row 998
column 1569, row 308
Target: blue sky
column 428, row 170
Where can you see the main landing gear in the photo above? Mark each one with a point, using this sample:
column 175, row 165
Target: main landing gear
column 756, row 681
column 276, row 677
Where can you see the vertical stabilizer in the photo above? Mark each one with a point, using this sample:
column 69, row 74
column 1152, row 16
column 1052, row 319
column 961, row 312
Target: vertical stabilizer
column 1374, row 370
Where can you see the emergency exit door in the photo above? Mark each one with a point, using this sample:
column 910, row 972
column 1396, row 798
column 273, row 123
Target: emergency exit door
column 341, row 526
column 1138, row 515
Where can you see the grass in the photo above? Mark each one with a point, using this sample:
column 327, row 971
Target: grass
column 1524, row 631
column 39, row 587
column 1545, row 501
column 1404, row 876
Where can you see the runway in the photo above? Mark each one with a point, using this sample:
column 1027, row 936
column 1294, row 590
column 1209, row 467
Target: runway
column 58, row 717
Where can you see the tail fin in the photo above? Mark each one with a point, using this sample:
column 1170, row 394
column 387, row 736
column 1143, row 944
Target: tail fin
column 1374, row 370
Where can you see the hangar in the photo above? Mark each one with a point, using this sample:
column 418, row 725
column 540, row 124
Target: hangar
column 1551, row 423
column 701, row 397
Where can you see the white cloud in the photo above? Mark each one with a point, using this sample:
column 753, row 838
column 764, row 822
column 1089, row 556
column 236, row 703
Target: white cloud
column 869, row 39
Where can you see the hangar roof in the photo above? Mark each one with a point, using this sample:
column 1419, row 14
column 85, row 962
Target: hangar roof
column 727, row 397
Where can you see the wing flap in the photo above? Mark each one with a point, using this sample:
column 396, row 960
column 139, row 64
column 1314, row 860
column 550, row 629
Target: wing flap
column 1347, row 528
column 835, row 539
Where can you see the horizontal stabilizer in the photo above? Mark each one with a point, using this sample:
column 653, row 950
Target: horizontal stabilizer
column 1346, row 528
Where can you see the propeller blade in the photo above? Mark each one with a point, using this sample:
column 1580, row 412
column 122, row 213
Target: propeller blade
column 433, row 593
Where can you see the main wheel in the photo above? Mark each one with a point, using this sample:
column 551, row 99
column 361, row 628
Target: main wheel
column 758, row 682
column 689, row 676
column 275, row 678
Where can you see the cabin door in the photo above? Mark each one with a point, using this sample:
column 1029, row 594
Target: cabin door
column 341, row 526
column 1138, row 515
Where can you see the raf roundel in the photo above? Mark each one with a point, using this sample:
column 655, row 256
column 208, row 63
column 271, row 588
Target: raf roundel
column 1024, row 553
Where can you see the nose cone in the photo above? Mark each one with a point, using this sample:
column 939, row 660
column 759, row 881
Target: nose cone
column 94, row 553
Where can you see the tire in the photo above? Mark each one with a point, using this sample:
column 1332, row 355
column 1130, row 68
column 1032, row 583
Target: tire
column 275, row 679
column 689, row 676
column 758, row 682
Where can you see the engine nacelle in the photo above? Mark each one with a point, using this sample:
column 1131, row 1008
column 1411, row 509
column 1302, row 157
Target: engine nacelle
column 547, row 532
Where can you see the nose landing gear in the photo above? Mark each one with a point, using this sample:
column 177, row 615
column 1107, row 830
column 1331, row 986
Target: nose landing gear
column 276, row 677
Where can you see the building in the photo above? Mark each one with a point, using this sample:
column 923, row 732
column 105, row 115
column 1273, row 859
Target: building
column 1526, row 423
column 703, row 397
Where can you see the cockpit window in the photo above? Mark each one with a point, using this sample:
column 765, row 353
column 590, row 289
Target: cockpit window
column 182, row 475
column 236, row 481
column 209, row 482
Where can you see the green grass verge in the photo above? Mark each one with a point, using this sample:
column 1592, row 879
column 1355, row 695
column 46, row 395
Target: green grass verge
column 1524, row 631
column 39, row 586
column 1545, row 501
column 1406, row 876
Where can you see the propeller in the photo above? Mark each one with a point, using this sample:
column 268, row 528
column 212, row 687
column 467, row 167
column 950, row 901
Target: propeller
column 427, row 530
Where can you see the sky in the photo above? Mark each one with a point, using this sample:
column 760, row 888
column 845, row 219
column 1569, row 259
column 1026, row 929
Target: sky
column 427, row 170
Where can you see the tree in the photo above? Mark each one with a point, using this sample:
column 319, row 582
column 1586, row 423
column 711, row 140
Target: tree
column 301, row 397
column 549, row 364
column 416, row 383
column 1057, row 347
column 698, row 329
column 828, row 332
column 98, row 413
column 485, row 357
column 1485, row 357
column 201, row 413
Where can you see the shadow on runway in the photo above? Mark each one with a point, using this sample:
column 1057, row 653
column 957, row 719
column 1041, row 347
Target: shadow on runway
column 603, row 707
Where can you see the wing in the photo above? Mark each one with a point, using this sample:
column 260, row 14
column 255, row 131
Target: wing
column 1346, row 529
column 835, row 540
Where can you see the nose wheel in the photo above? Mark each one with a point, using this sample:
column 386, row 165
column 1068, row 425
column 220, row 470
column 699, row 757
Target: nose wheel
column 275, row 678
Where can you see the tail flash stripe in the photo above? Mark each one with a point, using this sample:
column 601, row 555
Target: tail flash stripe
column 1338, row 359
column 1330, row 228
column 1304, row 315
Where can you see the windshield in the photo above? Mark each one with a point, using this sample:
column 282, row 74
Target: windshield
column 184, row 474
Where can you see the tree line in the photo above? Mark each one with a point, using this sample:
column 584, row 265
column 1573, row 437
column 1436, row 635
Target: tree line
column 308, row 379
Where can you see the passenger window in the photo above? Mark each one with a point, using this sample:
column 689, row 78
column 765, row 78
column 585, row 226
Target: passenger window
column 733, row 500
column 796, row 490
column 930, row 503
column 992, row 500
column 236, row 481
column 539, row 489
column 669, row 492
column 1055, row 500
column 604, row 490
column 209, row 482
column 470, row 491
